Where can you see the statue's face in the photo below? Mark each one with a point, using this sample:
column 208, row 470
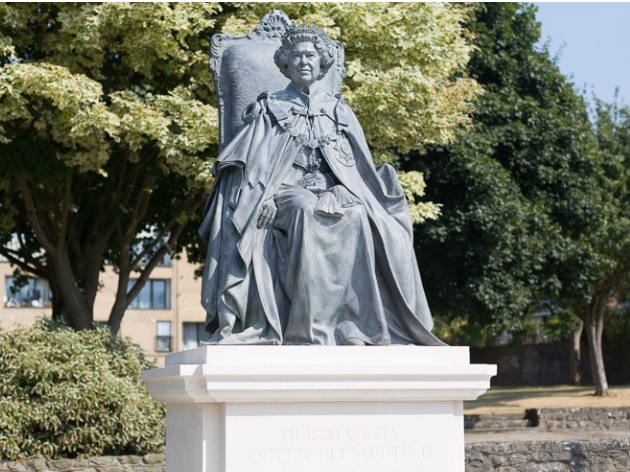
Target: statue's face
column 304, row 63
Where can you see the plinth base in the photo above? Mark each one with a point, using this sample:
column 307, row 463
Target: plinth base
column 317, row 409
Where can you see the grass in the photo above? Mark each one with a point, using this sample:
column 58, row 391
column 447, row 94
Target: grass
column 507, row 400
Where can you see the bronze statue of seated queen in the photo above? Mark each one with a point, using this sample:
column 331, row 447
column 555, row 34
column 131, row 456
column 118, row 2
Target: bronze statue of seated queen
column 308, row 241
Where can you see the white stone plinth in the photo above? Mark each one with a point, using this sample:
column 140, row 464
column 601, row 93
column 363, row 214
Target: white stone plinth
column 317, row 408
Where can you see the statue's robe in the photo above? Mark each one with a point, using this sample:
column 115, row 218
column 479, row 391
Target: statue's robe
column 309, row 279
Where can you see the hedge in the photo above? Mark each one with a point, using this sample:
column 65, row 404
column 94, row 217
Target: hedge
column 68, row 394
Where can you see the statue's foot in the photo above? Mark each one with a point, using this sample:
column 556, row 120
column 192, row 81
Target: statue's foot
column 353, row 342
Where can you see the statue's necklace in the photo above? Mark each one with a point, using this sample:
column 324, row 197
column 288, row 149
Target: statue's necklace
column 310, row 143
column 309, row 139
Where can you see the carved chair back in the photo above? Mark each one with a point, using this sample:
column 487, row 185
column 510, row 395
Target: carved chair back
column 243, row 68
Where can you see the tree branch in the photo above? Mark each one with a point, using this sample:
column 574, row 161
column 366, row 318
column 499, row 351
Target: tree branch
column 115, row 190
column 134, row 173
column 25, row 252
column 159, row 254
column 153, row 262
column 140, row 209
column 65, row 212
column 14, row 258
column 156, row 240
column 31, row 214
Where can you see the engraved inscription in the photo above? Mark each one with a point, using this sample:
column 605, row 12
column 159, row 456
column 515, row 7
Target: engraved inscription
column 352, row 469
column 304, row 436
column 338, row 449
column 369, row 441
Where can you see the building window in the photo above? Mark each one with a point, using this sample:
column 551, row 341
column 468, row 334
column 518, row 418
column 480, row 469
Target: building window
column 167, row 259
column 155, row 295
column 27, row 293
column 163, row 338
column 194, row 334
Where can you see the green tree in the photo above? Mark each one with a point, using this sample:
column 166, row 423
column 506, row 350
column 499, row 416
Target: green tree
column 484, row 258
column 104, row 139
column 108, row 126
column 594, row 266
column 399, row 58
column 531, row 201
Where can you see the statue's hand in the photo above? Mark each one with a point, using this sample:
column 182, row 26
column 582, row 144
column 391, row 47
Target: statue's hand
column 267, row 214
column 314, row 182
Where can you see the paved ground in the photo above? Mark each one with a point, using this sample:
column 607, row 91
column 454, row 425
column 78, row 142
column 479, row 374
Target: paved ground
column 533, row 435
column 501, row 400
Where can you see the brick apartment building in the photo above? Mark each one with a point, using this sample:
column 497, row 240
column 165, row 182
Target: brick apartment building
column 165, row 317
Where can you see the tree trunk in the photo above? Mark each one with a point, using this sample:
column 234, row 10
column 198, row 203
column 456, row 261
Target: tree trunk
column 575, row 354
column 58, row 307
column 594, row 329
column 121, row 301
column 124, row 296
column 78, row 313
column 51, row 231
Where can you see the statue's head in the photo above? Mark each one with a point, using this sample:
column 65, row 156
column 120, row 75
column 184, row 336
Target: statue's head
column 306, row 53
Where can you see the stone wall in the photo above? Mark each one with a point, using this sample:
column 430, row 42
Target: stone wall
column 527, row 365
column 553, row 419
column 586, row 419
column 606, row 455
column 548, row 364
column 148, row 463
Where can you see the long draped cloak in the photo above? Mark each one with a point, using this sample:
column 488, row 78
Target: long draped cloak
column 276, row 285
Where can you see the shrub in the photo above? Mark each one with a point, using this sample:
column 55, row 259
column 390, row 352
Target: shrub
column 67, row 393
column 460, row 332
column 617, row 328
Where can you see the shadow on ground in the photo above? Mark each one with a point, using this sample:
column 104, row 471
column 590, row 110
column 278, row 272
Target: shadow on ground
column 502, row 400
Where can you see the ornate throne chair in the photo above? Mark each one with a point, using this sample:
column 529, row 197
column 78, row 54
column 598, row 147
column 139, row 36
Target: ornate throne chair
column 243, row 68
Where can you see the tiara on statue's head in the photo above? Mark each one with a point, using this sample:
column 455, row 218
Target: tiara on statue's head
column 306, row 29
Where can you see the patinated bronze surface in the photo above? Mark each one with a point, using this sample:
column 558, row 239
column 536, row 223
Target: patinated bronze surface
column 308, row 241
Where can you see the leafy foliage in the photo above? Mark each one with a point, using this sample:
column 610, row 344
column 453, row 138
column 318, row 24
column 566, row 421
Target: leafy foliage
column 67, row 393
column 594, row 269
column 534, row 197
column 106, row 137
column 414, row 186
column 401, row 65
column 458, row 331
column 108, row 123
column 617, row 329
column 526, row 161
column 561, row 325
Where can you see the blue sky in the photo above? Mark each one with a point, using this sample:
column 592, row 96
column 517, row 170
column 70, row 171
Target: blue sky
column 593, row 39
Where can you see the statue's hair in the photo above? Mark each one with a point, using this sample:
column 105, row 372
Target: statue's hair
column 305, row 32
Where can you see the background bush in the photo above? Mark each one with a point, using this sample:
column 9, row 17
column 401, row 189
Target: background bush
column 66, row 393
